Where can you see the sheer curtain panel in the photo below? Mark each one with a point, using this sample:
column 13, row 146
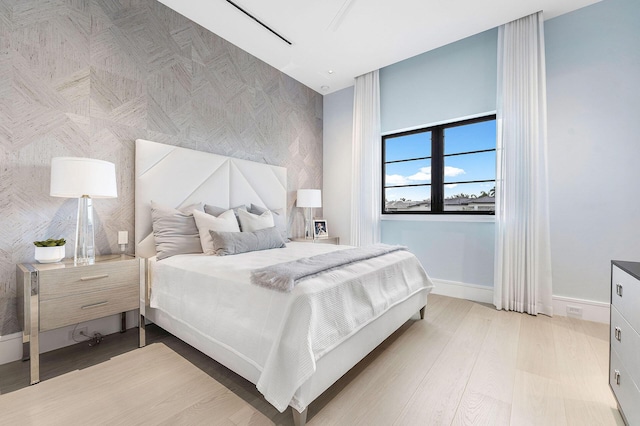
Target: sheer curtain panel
column 523, row 261
column 367, row 163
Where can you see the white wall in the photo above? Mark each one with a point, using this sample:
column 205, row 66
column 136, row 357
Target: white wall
column 593, row 85
column 445, row 84
column 593, row 78
column 337, row 130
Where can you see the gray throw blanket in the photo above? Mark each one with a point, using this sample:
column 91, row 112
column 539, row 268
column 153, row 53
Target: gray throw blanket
column 284, row 276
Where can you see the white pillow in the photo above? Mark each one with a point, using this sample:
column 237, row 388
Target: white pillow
column 226, row 222
column 279, row 219
column 252, row 222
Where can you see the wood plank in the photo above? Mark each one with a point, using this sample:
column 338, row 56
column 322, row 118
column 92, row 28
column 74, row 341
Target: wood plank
column 489, row 392
column 537, row 400
column 394, row 374
column 438, row 394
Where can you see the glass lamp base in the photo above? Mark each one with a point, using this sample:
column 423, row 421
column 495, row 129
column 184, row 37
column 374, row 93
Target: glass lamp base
column 84, row 253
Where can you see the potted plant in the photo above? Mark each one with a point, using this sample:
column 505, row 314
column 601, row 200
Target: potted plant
column 50, row 251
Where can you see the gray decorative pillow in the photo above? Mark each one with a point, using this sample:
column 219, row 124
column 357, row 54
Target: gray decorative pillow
column 226, row 243
column 175, row 231
column 279, row 219
column 217, row 211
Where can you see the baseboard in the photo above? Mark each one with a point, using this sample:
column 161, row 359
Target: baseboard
column 590, row 310
column 11, row 345
column 477, row 293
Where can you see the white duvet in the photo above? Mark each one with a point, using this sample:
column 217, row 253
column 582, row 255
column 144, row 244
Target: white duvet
column 282, row 334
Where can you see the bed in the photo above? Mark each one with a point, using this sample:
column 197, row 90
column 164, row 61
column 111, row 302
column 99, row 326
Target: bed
column 292, row 345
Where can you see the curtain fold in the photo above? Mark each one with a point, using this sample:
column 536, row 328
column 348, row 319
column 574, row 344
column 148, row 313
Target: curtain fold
column 366, row 161
column 523, row 261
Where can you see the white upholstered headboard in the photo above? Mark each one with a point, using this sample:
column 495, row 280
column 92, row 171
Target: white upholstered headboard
column 177, row 177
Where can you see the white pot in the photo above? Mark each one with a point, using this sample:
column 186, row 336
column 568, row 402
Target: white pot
column 49, row 254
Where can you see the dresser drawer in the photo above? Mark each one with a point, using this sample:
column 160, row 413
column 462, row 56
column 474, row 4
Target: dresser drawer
column 64, row 282
column 625, row 296
column 625, row 390
column 626, row 342
column 62, row 311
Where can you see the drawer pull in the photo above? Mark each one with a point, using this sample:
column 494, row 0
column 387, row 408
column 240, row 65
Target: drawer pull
column 94, row 277
column 94, row 305
column 616, row 375
column 618, row 334
column 619, row 289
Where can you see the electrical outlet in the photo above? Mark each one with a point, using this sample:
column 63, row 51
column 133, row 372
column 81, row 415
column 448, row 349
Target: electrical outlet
column 76, row 334
column 574, row 311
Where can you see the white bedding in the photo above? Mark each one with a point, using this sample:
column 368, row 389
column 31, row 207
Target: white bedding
column 281, row 334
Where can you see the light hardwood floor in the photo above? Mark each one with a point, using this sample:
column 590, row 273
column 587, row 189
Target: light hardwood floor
column 465, row 364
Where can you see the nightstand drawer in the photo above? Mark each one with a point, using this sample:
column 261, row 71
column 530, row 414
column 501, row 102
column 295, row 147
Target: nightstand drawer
column 63, row 282
column 62, row 311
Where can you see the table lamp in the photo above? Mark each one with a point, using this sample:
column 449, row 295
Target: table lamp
column 84, row 179
column 309, row 198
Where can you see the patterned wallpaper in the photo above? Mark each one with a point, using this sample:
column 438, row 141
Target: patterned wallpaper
column 88, row 77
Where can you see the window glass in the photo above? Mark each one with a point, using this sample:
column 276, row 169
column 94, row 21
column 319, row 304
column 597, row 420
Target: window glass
column 414, row 199
column 470, row 137
column 417, row 145
column 450, row 168
column 470, row 167
column 469, row 197
column 408, row 173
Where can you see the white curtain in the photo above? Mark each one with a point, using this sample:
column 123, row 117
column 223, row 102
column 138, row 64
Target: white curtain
column 366, row 161
column 523, row 261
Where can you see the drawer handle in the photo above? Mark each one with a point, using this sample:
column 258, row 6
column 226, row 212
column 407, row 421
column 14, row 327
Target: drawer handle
column 94, row 305
column 616, row 374
column 618, row 334
column 94, row 277
column 619, row 289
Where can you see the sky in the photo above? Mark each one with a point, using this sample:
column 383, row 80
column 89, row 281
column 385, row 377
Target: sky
column 458, row 168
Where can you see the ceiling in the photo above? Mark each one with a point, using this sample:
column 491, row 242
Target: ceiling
column 333, row 41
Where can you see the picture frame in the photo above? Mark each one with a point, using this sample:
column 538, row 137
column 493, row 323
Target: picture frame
column 320, row 229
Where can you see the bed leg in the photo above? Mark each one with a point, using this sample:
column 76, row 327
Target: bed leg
column 422, row 312
column 299, row 419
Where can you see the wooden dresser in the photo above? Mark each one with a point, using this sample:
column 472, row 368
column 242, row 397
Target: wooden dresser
column 624, row 339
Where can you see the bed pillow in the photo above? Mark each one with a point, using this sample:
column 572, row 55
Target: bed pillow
column 227, row 243
column 250, row 222
column 225, row 222
column 175, row 231
column 279, row 219
column 217, row 211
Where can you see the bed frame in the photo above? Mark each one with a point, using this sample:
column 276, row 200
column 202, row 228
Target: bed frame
column 176, row 177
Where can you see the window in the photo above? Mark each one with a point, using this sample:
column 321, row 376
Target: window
column 449, row 168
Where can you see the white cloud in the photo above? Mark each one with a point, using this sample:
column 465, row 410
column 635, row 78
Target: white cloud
column 423, row 175
column 452, row 171
column 451, row 185
column 395, row 180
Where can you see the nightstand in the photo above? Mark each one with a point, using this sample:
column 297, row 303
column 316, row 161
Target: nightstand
column 56, row 295
column 329, row 240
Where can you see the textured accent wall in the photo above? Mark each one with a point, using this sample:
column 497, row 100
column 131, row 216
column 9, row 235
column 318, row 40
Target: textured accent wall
column 88, row 77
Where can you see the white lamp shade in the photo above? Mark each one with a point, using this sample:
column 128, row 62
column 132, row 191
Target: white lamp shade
column 73, row 177
column 309, row 198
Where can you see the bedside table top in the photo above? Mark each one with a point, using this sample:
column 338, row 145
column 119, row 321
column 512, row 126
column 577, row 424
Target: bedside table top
column 67, row 262
column 316, row 240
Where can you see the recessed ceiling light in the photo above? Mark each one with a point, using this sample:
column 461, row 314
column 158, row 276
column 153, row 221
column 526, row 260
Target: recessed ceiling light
column 330, row 71
column 325, row 87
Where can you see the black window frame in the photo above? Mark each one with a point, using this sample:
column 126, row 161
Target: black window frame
column 437, row 159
